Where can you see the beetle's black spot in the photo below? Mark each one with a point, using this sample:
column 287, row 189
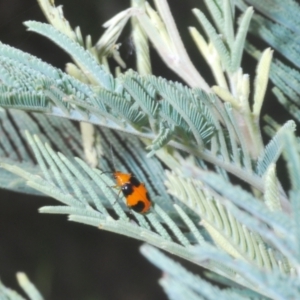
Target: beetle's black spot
column 127, row 189
column 133, row 180
column 148, row 196
column 138, row 207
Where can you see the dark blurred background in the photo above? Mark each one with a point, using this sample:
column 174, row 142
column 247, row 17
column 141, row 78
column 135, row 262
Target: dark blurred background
column 67, row 260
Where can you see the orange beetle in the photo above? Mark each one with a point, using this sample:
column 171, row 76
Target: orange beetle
column 135, row 192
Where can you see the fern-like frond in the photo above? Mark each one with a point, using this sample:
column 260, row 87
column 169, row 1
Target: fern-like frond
column 247, row 235
column 230, row 48
column 286, row 80
column 141, row 42
column 30, row 101
column 87, row 195
column 292, row 156
column 21, row 59
column 239, row 42
column 58, row 132
column 115, row 26
column 286, row 15
column 274, row 285
column 27, row 286
column 274, row 148
column 165, row 134
column 228, row 11
column 272, row 192
column 276, row 26
column 88, row 198
column 215, row 9
column 134, row 100
column 190, row 112
column 278, row 37
column 9, row 294
column 56, row 18
column 81, row 56
column 184, row 108
column 285, row 77
column 293, row 161
column 257, row 216
column 143, row 93
column 49, row 90
column 119, row 105
column 215, row 38
column 182, row 284
column 197, row 110
column 227, row 232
